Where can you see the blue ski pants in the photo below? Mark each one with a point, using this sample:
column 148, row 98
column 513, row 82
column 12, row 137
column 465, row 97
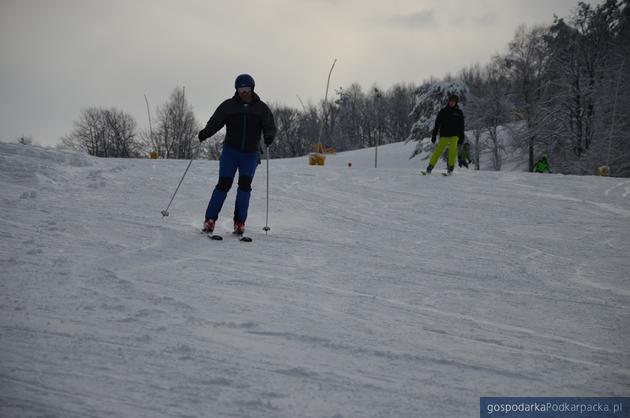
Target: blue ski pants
column 231, row 160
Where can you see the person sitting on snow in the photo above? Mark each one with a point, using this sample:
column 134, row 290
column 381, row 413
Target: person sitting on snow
column 542, row 166
column 463, row 157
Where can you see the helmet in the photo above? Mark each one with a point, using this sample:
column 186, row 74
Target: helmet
column 244, row 80
column 453, row 98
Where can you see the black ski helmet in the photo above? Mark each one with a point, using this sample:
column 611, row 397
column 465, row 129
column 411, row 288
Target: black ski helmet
column 244, row 80
column 453, row 98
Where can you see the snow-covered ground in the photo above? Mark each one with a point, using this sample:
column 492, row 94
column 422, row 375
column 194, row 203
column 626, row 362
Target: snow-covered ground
column 377, row 293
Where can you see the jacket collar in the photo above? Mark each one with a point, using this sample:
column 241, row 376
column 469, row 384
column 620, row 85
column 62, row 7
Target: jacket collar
column 255, row 98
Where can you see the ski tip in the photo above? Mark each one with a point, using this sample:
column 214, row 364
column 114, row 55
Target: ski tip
column 215, row 237
column 245, row 239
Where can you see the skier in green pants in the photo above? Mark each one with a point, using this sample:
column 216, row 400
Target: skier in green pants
column 450, row 124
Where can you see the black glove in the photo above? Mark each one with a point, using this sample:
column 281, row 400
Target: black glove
column 202, row 135
column 268, row 141
column 433, row 138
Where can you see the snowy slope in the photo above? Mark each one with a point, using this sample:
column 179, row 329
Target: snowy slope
column 377, row 293
column 397, row 155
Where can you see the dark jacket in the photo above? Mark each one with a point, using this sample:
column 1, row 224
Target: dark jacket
column 449, row 122
column 244, row 122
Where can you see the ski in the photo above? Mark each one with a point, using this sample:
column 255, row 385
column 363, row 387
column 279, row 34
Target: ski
column 424, row 173
column 212, row 236
column 242, row 238
column 217, row 237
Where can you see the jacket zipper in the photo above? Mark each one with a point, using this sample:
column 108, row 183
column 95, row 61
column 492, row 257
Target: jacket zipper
column 244, row 128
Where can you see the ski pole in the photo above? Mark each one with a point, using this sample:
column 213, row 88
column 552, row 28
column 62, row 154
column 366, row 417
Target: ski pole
column 267, row 228
column 165, row 211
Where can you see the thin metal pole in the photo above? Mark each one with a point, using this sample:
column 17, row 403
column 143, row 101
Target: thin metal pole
column 377, row 101
column 614, row 112
column 150, row 127
column 324, row 115
column 267, row 228
column 165, row 211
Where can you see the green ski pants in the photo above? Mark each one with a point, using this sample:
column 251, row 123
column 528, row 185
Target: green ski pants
column 451, row 143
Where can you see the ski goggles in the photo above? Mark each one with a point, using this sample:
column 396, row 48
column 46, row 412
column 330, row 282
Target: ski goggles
column 244, row 89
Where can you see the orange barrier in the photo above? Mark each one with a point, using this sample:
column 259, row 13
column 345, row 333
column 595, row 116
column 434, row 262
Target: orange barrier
column 316, row 158
column 603, row 171
column 319, row 148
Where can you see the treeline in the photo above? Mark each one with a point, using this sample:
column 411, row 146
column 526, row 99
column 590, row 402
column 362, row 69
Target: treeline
column 563, row 89
column 113, row 133
column 353, row 119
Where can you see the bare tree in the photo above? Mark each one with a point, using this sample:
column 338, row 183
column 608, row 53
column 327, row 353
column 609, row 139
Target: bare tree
column 309, row 123
column 526, row 63
column 289, row 142
column 121, row 133
column 475, row 109
column 350, row 113
column 177, row 128
column 497, row 108
column 398, row 103
column 104, row 133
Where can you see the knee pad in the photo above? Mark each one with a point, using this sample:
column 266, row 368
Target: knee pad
column 245, row 183
column 225, row 183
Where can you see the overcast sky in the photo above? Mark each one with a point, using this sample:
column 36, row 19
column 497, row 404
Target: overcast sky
column 60, row 56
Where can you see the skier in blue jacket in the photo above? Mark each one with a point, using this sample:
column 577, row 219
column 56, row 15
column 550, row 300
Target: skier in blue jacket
column 246, row 118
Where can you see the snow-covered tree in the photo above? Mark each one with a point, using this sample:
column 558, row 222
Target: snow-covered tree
column 588, row 86
column 430, row 97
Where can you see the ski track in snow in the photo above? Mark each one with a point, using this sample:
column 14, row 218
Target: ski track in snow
column 377, row 292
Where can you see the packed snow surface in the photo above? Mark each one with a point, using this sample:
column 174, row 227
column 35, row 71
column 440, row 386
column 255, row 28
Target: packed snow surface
column 377, row 292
